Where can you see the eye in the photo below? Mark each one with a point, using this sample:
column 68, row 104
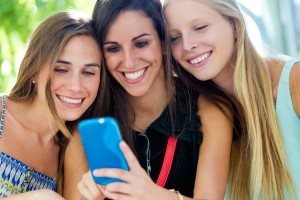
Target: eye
column 60, row 70
column 141, row 44
column 200, row 28
column 88, row 73
column 113, row 49
column 174, row 39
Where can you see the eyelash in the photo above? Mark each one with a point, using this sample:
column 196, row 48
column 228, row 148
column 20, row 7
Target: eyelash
column 113, row 49
column 200, row 28
column 141, row 44
column 174, row 39
column 58, row 70
column 87, row 73
column 62, row 71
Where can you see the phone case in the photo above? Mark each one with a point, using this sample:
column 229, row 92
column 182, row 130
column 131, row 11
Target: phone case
column 101, row 138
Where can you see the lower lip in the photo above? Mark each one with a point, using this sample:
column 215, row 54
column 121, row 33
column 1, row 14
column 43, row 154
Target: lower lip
column 135, row 81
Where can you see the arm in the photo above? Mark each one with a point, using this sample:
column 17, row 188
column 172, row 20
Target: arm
column 75, row 165
column 295, row 87
column 44, row 194
column 214, row 154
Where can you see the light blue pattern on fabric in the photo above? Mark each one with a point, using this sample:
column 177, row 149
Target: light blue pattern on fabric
column 15, row 176
column 289, row 122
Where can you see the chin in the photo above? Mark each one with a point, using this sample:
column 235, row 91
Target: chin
column 71, row 117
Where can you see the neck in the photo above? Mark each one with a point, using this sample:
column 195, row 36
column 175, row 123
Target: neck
column 37, row 119
column 225, row 80
column 149, row 107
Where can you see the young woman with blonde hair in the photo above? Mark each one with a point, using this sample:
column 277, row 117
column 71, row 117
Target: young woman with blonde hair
column 210, row 42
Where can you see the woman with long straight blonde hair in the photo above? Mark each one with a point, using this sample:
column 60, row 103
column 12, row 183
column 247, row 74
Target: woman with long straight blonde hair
column 210, row 42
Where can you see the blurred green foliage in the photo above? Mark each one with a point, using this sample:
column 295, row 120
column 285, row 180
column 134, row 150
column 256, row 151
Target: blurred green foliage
column 18, row 19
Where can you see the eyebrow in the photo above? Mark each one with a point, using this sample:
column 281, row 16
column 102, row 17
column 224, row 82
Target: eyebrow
column 139, row 36
column 133, row 39
column 69, row 63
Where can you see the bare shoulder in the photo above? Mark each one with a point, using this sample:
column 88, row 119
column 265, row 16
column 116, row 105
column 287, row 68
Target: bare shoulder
column 295, row 87
column 205, row 106
column 212, row 114
column 275, row 67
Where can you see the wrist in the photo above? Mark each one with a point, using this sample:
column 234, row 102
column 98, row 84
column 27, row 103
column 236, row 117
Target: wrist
column 179, row 196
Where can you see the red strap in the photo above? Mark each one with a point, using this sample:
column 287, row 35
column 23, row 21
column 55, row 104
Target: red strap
column 168, row 159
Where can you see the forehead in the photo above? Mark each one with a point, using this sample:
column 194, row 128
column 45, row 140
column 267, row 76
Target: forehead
column 178, row 12
column 130, row 22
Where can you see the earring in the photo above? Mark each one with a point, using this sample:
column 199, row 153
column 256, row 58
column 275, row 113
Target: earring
column 33, row 82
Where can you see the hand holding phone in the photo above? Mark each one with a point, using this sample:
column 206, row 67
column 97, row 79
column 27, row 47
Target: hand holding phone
column 101, row 138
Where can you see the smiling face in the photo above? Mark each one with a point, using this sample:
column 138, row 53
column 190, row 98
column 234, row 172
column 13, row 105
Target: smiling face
column 133, row 54
column 202, row 39
column 75, row 79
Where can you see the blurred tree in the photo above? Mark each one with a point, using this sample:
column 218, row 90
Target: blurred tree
column 18, row 18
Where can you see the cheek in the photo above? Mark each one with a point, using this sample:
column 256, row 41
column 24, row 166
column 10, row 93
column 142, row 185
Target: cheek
column 227, row 48
column 176, row 50
column 90, row 87
column 94, row 90
column 55, row 83
column 111, row 61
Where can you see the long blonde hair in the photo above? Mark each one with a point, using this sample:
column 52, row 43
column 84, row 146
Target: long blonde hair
column 258, row 159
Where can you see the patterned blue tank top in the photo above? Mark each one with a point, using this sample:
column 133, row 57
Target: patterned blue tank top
column 15, row 176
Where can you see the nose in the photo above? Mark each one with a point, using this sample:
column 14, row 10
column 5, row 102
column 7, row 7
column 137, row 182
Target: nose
column 74, row 83
column 130, row 58
column 189, row 43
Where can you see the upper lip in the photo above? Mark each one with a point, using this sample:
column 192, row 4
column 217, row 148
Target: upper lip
column 133, row 71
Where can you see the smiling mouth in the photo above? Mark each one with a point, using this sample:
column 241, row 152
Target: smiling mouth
column 70, row 100
column 200, row 58
column 134, row 75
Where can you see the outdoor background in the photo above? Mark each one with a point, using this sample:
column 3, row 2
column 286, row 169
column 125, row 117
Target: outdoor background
column 274, row 27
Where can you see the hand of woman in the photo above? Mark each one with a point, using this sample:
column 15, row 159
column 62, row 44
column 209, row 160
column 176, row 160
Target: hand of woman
column 137, row 184
column 89, row 189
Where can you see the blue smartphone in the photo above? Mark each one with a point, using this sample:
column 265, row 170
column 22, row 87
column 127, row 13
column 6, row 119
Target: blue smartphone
column 101, row 138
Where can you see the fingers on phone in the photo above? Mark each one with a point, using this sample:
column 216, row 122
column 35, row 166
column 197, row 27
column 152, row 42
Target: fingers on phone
column 88, row 188
column 130, row 157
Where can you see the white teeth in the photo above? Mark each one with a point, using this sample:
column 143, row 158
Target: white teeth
column 199, row 59
column 134, row 75
column 68, row 100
